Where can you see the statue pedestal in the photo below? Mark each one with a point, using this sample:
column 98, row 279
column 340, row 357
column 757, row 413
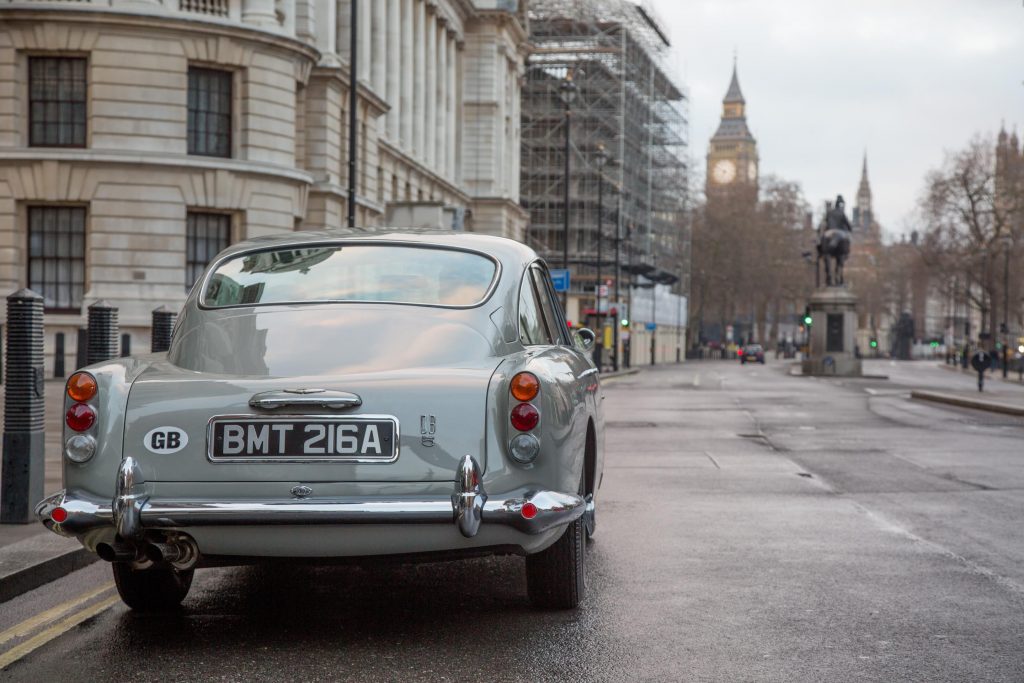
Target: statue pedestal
column 833, row 334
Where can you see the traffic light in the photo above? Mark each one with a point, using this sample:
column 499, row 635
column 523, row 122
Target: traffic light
column 807, row 316
column 873, row 343
column 625, row 323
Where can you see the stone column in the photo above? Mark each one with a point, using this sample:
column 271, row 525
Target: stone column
column 454, row 110
column 326, row 26
column 407, row 75
column 365, row 45
column 343, row 19
column 378, row 29
column 430, row 109
column 420, row 102
column 259, row 12
column 394, row 69
column 442, row 102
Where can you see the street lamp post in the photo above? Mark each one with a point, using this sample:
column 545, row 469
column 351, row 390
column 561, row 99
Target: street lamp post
column 567, row 91
column 616, row 324
column 1006, row 305
column 353, row 106
column 602, row 159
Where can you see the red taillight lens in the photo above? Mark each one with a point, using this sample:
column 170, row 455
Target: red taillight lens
column 81, row 386
column 529, row 511
column 524, row 386
column 525, row 417
column 80, row 417
column 59, row 515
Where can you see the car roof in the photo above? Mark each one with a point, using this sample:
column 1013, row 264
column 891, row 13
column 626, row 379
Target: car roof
column 500, row 247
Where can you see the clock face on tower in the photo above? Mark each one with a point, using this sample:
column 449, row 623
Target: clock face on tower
column 751, row 171
column 724, row 171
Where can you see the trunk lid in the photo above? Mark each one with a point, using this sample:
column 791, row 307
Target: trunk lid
column 434, row 384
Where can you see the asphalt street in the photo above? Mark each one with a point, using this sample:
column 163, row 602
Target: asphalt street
column 752, row 526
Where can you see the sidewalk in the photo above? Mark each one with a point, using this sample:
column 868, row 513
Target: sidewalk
column 31, row 556
column 990, row 375
column 995, row 399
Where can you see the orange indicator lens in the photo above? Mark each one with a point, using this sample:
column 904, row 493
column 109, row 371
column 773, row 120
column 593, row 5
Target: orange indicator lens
column 81, row 386
column 525, row 386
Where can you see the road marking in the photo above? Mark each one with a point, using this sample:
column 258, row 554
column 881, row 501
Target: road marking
column 19, row 651
column 32, row 623
column 696, row 380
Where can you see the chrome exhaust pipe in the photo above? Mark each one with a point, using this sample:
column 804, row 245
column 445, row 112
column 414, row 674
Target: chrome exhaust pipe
column 118, row 552
column 181, row 553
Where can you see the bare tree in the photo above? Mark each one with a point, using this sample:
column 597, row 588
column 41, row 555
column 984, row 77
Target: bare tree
column 970, row 220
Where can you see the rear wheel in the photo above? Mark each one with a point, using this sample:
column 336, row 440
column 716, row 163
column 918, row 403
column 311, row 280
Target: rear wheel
column 158, row 588
column 556, row 578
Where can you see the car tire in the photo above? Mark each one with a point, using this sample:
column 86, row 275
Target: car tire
column 159, row 588
column 556, row 577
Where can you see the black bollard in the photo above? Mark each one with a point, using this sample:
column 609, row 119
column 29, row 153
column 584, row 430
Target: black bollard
column 82, row 348
column 126, row 345
column 103, row 338
column 58, row 354
column 22, row 474
column 163, row 326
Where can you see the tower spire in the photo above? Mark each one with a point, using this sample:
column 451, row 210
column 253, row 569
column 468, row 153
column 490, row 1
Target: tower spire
column 734, row 94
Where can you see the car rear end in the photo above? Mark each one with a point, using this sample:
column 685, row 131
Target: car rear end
column 279, row 427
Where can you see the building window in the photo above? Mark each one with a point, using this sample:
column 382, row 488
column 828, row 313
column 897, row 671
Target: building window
column 206, row 235
column 209, row 112
column 56, row 87
column 56, row 255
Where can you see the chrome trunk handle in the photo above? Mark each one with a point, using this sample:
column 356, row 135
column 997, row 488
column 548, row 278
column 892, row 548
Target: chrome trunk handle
column 305, row 398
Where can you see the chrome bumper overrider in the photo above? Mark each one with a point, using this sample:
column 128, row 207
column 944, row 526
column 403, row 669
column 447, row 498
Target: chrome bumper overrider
column 132, row 510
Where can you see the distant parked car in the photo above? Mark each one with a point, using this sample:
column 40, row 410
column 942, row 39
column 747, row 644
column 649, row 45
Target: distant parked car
column 414, row 395
column 752, row 353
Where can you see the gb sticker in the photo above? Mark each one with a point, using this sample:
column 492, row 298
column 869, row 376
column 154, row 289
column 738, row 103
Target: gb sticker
column 165, row 440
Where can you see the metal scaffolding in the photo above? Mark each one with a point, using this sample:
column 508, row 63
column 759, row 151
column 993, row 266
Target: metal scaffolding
column 627, row 100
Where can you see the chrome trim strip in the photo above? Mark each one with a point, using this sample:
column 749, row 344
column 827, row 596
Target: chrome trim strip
column 305, row 398
column 306, row 458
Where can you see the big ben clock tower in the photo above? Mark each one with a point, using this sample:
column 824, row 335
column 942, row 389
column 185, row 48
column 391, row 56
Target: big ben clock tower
column 732, row 153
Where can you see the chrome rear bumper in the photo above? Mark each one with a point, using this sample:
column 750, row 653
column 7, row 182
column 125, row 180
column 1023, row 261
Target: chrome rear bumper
column 132, row 511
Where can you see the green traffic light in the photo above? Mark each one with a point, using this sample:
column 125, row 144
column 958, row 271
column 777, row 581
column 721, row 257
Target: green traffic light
column 874, row 344
column 625, row 323
column 807, row 320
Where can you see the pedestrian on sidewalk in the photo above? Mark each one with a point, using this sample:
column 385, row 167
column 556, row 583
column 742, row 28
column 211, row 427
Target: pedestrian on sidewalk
column 981, row 361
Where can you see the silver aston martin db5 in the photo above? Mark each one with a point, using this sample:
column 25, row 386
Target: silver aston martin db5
column 338, row 395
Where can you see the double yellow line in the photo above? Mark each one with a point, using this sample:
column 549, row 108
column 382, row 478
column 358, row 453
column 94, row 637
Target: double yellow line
column 85, row 607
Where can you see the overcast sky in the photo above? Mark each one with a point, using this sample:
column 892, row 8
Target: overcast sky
column 825, row 79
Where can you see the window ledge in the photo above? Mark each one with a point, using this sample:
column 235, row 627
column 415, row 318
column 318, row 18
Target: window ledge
column 182, row 161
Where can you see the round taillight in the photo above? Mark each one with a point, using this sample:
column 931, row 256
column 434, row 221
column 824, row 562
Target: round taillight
column 525, row 417
column 59, row 515
column 529, row 511
column 81, row 386
column 525, row 386
column 80, row 417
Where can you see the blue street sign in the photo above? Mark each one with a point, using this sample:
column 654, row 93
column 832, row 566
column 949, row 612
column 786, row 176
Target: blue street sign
column 650, row 326
column 560, row 279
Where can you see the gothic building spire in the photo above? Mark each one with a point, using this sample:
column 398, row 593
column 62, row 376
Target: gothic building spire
column 864, row 190
column 734, row 94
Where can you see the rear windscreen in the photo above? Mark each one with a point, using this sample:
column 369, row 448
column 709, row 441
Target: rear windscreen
column 358, row 272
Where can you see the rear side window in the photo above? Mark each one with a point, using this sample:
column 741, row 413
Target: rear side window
column 532, row 330
column 357, row 272
column 547, row 304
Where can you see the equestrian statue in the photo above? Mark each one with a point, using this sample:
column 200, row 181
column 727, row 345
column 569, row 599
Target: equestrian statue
column 834, row 242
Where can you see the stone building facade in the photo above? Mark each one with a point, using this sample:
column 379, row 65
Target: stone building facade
column 139, row 138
